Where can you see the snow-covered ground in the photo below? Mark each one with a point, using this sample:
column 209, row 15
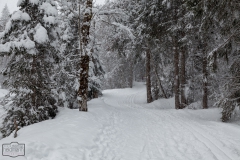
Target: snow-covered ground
column 121, row 126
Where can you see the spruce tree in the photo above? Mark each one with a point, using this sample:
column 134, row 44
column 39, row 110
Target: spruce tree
column 225, row 58
column 5, row 16
column 30, row 40
column 67, row 77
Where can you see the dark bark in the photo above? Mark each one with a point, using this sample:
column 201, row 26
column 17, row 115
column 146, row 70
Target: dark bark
column 203, row 47
column 205, row 81
column 84, row 63
column 34, row 82
column 131, row 74
column 176, row 56
column 183, row 77
column 95, row 94
column 176, row 75
column 83, row 88
column 148, row 76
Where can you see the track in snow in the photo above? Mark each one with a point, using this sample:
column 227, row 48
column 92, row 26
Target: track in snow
column 166, row 133
column 121, row 126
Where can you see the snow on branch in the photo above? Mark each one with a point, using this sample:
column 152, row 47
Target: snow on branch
column 223, row 44
column 122, row 27
column 111, row 12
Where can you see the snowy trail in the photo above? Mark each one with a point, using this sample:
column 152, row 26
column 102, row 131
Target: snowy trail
column 121, row 126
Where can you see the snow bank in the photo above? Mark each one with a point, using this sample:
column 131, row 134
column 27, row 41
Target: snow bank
column 57, row 139
column 121, row 125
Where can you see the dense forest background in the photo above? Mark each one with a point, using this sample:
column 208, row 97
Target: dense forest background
column 64, row 53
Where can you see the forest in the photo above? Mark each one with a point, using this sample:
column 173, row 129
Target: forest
column 63, row 53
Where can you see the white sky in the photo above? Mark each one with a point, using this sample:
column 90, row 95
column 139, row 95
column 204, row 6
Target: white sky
column 12, row 4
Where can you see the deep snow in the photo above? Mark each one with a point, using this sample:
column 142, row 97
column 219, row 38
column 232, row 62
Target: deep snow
column 121, row 126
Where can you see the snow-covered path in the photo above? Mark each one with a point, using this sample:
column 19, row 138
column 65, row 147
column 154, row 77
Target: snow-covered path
column 121, row 126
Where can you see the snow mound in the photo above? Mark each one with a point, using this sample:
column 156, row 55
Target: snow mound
column 49, row 19
column 49, row 9
column 19, row 15
column 41, row 35
column 26, row 43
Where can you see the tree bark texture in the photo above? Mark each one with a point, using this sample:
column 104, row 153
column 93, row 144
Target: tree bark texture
column 148, row 76
column 183, row 78
column 84, row 63
column 205, row 81
column 176, row 57
column 176, row 75
column 203, row 44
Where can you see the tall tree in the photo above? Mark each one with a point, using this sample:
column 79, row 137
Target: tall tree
column 30, row 40
column 5, row 16
column 148, row 76
column 84, row 30
column 68, row 75
column 225, row 60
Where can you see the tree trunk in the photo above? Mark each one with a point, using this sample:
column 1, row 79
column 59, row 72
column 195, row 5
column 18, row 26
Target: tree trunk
column 183, row 78
column 205, row 81
column 176, row 57
column 95, row 94
column 83, row 88
column 160, row 84
column 131, row 73
column 176, row 74
column 84, row 63
column 203, row 46
column 148, row 76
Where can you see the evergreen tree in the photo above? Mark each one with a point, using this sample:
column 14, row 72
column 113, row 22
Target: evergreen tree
column 5, row 16
column 31, row 41
column 68, row 76
column 225, row 58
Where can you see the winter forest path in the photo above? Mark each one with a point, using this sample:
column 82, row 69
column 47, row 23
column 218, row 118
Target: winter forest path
column 121, row 126
column 154, row 132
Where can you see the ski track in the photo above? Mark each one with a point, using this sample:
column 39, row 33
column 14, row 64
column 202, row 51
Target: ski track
column 167, row 135
column 124, row 127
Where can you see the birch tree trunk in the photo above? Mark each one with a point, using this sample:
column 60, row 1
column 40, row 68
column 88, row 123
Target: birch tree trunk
column 84, row 63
